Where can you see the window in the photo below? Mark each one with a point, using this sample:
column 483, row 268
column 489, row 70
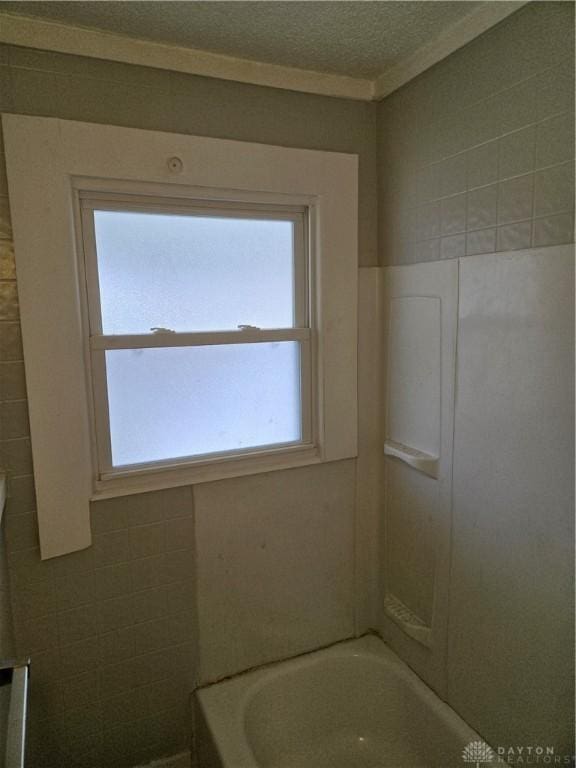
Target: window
column 182, row 322
column 199, row 324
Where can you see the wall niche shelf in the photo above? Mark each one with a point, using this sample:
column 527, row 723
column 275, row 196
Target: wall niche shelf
column 407, row 620
column 423, row 462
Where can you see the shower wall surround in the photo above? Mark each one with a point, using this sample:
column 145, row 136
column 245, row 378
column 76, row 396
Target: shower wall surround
column 282, row 581
column 476, row 166
column 420, row 308
column 113, row 630
column 511, row 640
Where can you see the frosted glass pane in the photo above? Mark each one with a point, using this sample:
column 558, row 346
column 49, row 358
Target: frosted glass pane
column 183, row 401
column 193, row 273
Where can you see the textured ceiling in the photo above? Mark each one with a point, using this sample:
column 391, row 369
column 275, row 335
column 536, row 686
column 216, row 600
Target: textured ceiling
column 359, row 39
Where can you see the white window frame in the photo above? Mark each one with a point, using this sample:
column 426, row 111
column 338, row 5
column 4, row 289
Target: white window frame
column 48, row 162
column 98, row 342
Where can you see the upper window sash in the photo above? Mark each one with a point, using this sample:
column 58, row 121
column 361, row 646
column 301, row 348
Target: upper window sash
column 91, row 202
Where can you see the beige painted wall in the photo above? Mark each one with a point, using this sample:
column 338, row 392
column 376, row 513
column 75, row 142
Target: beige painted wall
column 76, row 88
column 113, row 630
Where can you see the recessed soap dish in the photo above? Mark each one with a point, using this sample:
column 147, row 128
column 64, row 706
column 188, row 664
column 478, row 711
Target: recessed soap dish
column 423, row 462
column 407, row 620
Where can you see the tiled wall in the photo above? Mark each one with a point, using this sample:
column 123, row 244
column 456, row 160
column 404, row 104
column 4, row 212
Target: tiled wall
column 476, row 154
column 112, row 630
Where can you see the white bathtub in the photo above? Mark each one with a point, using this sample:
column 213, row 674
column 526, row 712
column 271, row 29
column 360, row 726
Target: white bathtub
column 354, row 705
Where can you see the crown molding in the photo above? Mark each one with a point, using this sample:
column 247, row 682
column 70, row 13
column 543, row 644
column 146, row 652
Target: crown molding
column 80, row 41
column 459, row 34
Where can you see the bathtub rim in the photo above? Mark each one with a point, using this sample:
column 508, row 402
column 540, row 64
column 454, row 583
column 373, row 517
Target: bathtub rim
column 224, row 703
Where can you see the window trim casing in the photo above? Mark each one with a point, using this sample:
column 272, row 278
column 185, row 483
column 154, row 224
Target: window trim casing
column 98, row 198
column 44, row 156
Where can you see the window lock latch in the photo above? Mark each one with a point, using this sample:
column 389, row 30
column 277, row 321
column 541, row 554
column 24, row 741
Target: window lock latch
column 162, row 330
column 248, row 328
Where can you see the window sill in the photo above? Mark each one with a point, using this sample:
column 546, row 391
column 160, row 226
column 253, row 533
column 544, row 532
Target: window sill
column 141, row 481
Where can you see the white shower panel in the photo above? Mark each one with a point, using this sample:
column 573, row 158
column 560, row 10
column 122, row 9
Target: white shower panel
column 511, row 603
column 275, row 566
column 419, row 340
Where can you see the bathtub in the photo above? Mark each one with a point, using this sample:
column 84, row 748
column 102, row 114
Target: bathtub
column 353, row 705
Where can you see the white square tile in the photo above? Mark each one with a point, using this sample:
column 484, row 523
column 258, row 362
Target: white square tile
column 482, row 205
column 554, row 190
column 482, row 165
column 453, row 173
column 555, row 140
column 482, row 241
column 554, row 230
column 453, row 214
column 516, row 236
column 453, row 247
column 515, row 199
column 516, row 152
